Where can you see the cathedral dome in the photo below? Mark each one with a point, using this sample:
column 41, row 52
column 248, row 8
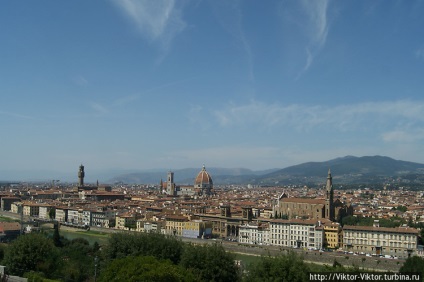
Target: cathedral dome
column 203, row 178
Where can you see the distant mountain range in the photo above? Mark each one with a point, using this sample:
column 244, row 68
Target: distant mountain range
column 187, row 175
column 346, row 170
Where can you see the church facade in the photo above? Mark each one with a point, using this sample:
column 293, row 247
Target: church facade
column 306, row 208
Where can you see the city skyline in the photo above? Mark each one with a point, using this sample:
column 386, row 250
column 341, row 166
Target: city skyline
column 136, row 85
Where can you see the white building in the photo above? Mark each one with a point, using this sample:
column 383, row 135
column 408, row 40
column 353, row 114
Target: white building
column 400, row 242
column 102, row 217
column 150, row 226
column 44, row 212
column 252, row 233
column 61, row 214
column 73, row 216
column 296, row 233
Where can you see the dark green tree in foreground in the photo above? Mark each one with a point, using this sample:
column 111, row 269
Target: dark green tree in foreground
column 137, row 269
column 413, row 264
column 288, row 267
column 31, row 252
column 160, row 246
column 79, row 257
column 56, row 236
column 210, row 263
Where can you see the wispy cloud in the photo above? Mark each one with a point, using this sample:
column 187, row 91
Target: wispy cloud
column 307, row 25
column 316, row 29
column 80, row 80
column 305, row 117
column 318, row 24
column 229, row 15
column 123, row 101
column 420, row 54
column 99, row 109
column 403, row 136
column 16, row 115
column 159, row 20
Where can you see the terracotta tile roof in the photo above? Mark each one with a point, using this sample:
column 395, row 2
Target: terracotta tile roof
column 6, row 226
column 303, row 200
column 408, row 230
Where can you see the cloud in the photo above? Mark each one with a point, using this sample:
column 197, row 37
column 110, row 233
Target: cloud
column 317, row 29
column 15, row 115
column 229, row 15
column 318, row 25
column 80, row 80
column 99, row 109
column 308, row 26
column 123, row 101
column 158, row 20
column 305, row 117
column 420, row 54
column 403, row 136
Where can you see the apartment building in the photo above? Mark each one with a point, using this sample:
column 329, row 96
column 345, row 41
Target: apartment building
column 75, row 216
column 174, row 224
column 31, row 209
column 150, row 226
column 400, row 242
column 296, row 233
column 44, row 211
column 197, row 229
column 62, row 214
column 254, row 233
column 101, row 217
column 332, row 235
column 126, row 221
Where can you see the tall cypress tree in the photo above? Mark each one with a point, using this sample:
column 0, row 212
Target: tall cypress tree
column 56, row 236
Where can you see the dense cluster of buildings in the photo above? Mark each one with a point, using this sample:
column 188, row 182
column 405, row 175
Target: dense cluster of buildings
column 296, row 218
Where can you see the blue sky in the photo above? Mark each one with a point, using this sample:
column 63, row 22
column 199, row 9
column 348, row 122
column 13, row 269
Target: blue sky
column 132, row 84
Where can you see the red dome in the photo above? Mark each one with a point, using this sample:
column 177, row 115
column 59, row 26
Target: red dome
column 203, row 178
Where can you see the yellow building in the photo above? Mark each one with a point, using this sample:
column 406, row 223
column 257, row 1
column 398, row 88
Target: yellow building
column 332, row 233
column 174, row 224
column 197, row 229
column 126, row 221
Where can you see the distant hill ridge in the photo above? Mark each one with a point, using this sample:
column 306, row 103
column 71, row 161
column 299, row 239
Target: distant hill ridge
column 349, row 169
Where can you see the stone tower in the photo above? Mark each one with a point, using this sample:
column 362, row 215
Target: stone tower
column 170, row 186
column 81, row 175
column 329, row 195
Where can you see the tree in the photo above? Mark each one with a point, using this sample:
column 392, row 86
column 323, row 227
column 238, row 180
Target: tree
column 52, row 213
column 288, row 267
column 401, row 208
column 144, row 244
column 142, row 268
column 32, row 252
column 79, row 257
column 349, row 220
column 56, row 236
column 210, row 263
column 413, row 264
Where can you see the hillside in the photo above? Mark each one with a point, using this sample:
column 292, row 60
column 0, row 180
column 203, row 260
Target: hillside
column 349, row 169
column 346, row 170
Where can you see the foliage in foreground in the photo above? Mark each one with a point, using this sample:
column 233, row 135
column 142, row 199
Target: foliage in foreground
column 162, row 247
column 32, row 252
column 413, row 264
column 153, row 257
column 147, row 268
column 290, row 267
column 210, row 263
